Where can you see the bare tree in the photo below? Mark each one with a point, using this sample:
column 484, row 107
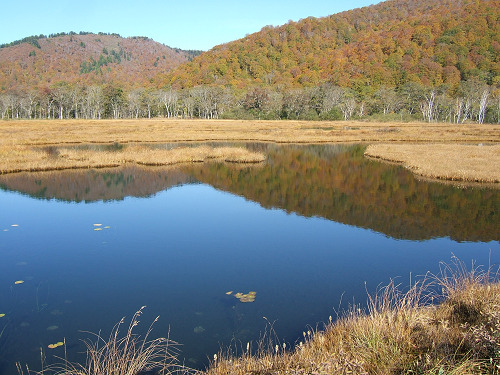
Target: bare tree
column 94, row 102
column 427, row 105
column 76, row 95
column 148, row 101
column 274, row 104
column 331, row 97
column 169, row 98
column 295, row 103
column 134, row 102
column 483, row 102
column 4, row 107
column 29, row 103
column 62, row 97
column 348, row 106
column 387, row 99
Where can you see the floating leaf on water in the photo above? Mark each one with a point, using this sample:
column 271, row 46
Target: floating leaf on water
column 56, row 345
column 97, row 225
column 97, row 229
column 229, row 293
column 199, row 329
column 2, row 315
column 247, row 298
column 14, row 225
column 52, row 328
column 19, row 282
column 250, row 297
column 107, row 227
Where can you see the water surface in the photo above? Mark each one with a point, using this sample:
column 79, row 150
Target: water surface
column 312, row 229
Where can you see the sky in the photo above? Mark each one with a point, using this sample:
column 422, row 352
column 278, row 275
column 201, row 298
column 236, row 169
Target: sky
column 192, row 24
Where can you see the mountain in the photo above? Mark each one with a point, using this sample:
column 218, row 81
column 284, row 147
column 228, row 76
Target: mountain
column 86, row 58
column 430, row 42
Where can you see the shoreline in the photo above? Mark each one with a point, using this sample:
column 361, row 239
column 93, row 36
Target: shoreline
column 22, row 140
column 400, row 333
column 443, row 162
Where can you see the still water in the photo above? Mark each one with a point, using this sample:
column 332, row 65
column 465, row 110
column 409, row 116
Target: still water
column 311, row 230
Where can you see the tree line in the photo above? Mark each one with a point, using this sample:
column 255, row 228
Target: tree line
column 470, row 101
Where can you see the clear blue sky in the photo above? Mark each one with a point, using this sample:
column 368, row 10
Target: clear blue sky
column 194, row 24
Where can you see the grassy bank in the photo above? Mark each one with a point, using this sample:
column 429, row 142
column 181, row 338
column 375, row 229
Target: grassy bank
column 472, row 163
column 22, row 158
column 27, row 145
column 400, row 333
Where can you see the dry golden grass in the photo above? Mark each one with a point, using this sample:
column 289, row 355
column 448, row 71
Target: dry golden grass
column 443, row 161
column 17, row 138
column 401, row 334
column 123, row 354
column 55, row 132
column 24, row 158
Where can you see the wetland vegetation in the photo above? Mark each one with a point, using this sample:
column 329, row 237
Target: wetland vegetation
column 30, row 146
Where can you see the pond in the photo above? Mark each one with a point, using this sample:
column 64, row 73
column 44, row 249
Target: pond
column 311, row 231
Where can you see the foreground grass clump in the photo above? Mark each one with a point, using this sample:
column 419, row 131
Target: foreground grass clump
column 401, row 334
column 124, row 355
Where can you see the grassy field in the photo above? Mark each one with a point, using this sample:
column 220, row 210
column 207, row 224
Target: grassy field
column 25, row 145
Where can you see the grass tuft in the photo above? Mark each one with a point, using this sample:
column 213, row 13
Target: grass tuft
column 126, row 355
column 400, row 333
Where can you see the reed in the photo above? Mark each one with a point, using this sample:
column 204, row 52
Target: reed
column 400, row 333
column 125, row 355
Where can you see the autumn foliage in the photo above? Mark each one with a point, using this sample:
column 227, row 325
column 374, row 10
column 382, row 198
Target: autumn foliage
column 86, row 59
column 430, row 42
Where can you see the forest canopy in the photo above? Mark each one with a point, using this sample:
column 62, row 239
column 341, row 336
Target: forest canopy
column 431, row 60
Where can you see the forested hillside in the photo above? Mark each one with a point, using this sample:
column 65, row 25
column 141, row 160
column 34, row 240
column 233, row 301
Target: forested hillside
column 84, row 58
column 430, row 42
column 404, row 60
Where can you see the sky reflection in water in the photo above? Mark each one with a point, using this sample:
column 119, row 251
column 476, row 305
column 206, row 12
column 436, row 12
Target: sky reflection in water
column 178, row 252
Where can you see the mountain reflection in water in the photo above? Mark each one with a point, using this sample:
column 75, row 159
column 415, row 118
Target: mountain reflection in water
column 333, row 182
